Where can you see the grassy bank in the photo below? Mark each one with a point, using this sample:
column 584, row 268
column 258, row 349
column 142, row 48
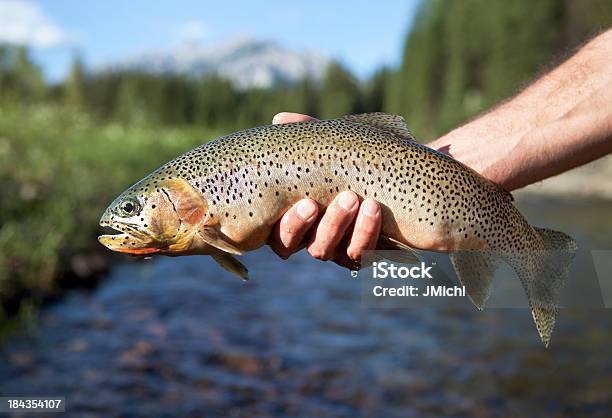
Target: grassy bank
column 58, row 171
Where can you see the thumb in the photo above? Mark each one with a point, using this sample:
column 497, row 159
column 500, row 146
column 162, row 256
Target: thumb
column 288, row 117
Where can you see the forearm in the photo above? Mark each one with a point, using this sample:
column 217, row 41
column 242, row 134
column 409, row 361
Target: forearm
column 560, row 121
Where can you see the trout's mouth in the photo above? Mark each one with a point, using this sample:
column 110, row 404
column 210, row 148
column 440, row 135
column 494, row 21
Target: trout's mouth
column 128, row 239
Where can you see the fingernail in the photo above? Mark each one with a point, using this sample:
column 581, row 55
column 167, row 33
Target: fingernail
column 278, row 118
column 306, row 209
column 370, row 208
column 347, row 201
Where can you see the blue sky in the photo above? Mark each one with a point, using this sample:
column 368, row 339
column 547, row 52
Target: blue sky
column 362, row 34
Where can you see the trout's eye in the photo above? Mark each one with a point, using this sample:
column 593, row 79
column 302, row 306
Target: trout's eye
column 129, row 207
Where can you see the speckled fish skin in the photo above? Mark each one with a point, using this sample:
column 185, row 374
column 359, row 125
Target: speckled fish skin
column 225, row 197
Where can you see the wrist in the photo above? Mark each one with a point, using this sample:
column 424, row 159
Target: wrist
column 480, row 149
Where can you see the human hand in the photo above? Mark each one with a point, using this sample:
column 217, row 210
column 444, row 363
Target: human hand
column 346, row 229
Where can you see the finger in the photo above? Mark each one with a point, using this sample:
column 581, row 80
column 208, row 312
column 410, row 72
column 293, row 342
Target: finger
column 367, row 228
column 290, row 231
column 288, row 117
column 342, row 259
column 333, row 225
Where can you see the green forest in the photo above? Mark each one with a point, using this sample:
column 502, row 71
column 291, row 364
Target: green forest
column 66, row 149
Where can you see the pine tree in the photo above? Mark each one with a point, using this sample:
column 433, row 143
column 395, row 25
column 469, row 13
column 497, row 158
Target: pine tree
column 414, row 90
column 30, row 85
column 216, row 102
column 375, row 91
column 463, row 56
column 74, row 89
column 340, row 93
column 307, row 96
column 128, row 108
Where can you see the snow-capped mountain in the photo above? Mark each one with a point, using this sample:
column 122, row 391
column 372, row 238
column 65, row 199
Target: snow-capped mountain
column 247, row 62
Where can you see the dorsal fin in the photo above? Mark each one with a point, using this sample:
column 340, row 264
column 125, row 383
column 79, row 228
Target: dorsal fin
column 384, row 121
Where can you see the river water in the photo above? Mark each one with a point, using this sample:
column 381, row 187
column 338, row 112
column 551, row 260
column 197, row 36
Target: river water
column 180, row 337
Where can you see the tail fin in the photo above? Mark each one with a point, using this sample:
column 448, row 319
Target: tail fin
column 543, row 273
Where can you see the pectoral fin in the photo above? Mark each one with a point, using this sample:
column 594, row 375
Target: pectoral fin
column 402, row 253
column 215, row 238
column 232, row 265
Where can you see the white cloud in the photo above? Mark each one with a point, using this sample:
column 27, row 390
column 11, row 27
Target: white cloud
column 195, row 30
column 24, row 22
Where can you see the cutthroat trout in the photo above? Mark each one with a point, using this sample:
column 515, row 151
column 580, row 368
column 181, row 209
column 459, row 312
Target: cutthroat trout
column 224, row 197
